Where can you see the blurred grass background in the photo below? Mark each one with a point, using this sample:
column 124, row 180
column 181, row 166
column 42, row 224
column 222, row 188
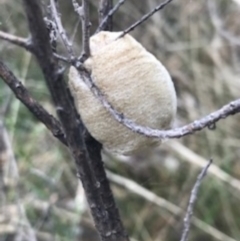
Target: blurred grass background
column 199, row 43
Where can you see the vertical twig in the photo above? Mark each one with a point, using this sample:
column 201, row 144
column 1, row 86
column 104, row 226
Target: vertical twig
column 85, row 30
column 192, row 200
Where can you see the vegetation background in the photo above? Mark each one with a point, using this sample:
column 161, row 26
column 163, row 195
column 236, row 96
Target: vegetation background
column 199, row 43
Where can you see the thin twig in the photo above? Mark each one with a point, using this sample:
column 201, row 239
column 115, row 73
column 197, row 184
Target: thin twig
column 85, row 31
column 207, row 121
column 19, row 41
column 62, row 58
column 83, row 12
column 35, row 108
column 86, row 28
column 104, row 7
column 145, row 17
column 26, row 44
column 192, row 200
column 60, row 28
column 104, row 20
column 135, row 188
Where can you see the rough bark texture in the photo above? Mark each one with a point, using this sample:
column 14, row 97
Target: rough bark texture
column 87, row 157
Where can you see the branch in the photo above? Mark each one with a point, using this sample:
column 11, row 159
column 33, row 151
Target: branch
column 193, row 198
column 207, row 121
column 19, row 41
column 152, row 198
column 105, row 18
column 62, row 58
column 145, row 18
column 103, row 21
column 85, row 31
column 83, row 12
column 60, row 28
column 87, row 155
column 34, row 107
column 26, row 44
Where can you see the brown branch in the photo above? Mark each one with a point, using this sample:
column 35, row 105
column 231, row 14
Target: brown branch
column 105, row 19
column 34, row 107
column 207, row 121
column 145, row 17
column 87, row 157
column 19, row 41
column 192, row 200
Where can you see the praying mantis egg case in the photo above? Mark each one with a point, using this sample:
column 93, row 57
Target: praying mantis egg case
column 134, row 82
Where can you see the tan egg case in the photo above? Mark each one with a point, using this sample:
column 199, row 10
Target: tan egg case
column 134, row 82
